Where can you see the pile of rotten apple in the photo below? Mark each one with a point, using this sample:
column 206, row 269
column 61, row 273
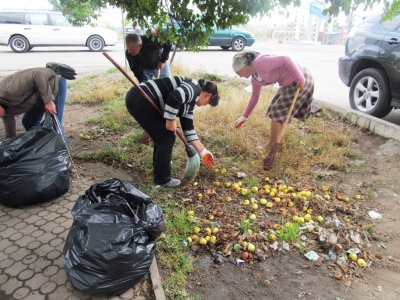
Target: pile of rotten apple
column 239, row 223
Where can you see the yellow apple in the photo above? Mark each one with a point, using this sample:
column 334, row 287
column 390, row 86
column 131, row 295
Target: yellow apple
column 252, row 217
column 263, row 201
column 353, row 256
column 250, row 247
column 190, row 213
column 362, row 263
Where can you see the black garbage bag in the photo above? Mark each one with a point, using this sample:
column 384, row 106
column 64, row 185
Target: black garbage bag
column 112, row 241
column 34, row 166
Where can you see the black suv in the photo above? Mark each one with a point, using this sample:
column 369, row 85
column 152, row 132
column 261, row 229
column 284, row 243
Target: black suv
column 371, row 66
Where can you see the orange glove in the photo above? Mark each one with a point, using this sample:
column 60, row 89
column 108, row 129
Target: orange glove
column 239, row 122
column 208, row 158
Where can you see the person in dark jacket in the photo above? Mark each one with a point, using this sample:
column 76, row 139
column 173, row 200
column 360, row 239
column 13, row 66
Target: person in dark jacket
column 31, row 92
column 147, row 58
column 176, row 97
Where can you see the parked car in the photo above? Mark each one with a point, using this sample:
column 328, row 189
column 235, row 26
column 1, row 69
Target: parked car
column 234, row 38
column 23, row 30
column 371, row 66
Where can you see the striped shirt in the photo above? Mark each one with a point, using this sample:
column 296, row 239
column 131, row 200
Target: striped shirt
column 176, row 97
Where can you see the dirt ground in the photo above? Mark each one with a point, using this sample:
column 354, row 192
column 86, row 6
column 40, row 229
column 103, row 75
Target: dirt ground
column 288, row 274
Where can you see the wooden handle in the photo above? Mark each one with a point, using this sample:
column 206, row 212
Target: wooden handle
column 288, row 115
column 180, row 135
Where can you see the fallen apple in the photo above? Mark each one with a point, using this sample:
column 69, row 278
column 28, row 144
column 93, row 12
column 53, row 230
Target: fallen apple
column 190, row 213
column 244, row 255
column 213, row 239
column 320, row 219
column 228, row 184
column 196, row 230
column 246, row 202
column 216, row 170
column 195, row 183
column 189, row 239
column 307, row 217
column 202, row 241
column 254, row 206
column 228, row 199
column 254, row 189
column 353, row 256
column 263, row 201
column 252, row 217
column 362, row 263
column 200, row 196
column 269, row 204
column 250, row 247
column 357, row 197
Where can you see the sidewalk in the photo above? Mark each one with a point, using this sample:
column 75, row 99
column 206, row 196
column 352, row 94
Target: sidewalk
column 31, row 250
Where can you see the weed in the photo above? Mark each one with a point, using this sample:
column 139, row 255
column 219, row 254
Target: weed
column 369, row 229
column 289, row 232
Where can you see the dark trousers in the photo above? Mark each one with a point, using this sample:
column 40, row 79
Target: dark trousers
column 163, row 139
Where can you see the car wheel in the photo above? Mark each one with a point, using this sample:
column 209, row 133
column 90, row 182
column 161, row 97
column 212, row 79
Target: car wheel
column 238, row 44
column 225, row 47
column 370, row 93
column 95, row 43
column 19, row 44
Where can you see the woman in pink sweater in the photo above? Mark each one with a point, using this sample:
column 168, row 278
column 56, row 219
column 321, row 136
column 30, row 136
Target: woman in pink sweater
column 266, row 70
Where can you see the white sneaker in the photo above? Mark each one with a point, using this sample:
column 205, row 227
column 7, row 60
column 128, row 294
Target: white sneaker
column 173, row 183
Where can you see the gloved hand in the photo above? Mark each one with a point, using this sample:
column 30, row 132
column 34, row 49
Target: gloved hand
column 239, row 122
column 208, row 158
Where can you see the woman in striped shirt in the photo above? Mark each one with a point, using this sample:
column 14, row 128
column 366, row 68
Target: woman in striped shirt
column 176, row 97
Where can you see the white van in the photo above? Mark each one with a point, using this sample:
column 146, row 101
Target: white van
column 24, row 29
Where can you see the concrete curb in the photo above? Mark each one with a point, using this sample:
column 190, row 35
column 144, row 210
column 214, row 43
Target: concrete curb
column 156, row 281
column 378, row 126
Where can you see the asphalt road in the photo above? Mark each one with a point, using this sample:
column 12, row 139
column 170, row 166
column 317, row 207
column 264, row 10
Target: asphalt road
column 320, row 59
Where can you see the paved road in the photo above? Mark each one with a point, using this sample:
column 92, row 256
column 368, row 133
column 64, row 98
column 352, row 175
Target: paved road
column 320, row 59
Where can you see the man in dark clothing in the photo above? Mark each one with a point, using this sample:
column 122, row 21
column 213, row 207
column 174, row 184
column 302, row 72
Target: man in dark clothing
column 147, row 58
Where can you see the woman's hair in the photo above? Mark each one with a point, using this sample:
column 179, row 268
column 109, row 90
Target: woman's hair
column 242, row 59
column 210, row 87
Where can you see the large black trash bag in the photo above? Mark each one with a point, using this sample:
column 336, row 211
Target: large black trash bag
column 34, row 166
column 112, row 241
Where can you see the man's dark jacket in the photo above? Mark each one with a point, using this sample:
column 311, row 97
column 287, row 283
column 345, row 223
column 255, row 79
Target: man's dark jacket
column 150, row 55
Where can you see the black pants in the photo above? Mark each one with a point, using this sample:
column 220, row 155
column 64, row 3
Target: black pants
column 163, row 139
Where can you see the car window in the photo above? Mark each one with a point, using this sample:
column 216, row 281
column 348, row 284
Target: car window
column 392, row 24
column 11, row 18
column 59, row 20
column 36, row 19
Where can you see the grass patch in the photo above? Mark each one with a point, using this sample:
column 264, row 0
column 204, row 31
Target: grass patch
column 289, row 232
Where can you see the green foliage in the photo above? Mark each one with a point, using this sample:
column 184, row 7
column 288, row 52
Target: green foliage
column 188, row 23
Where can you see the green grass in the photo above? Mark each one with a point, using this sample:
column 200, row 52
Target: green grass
column 289, row 232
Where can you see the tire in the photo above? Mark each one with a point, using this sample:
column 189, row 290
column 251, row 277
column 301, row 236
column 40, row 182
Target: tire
column 238, row 44
column 225, row 47
column 19, row 44
column 370, row 93
column 95, row 43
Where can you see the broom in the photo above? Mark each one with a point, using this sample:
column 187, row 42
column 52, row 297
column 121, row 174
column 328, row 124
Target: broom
column 193, row 162
column 269, row 161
